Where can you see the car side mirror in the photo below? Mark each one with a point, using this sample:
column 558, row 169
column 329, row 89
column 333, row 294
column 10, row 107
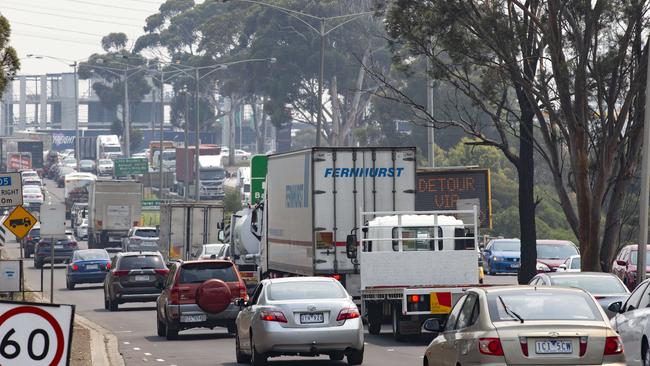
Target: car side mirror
column 351, row 246
column 433, row 325
column 621, row 263
column 615, row 307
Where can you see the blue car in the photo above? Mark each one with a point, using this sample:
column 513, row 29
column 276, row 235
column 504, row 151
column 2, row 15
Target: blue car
column 87, row 266
column 502, row 256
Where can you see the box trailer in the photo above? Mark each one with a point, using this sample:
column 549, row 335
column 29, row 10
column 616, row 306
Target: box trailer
column 313, row 201
column 186, row 226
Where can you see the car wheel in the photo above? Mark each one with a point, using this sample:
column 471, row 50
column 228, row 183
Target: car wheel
column 645, row 353
column 257, row 359
column 241, row 357
column 161, row 327
column 355, row 357
column 171, row 333
column 338, row 356
column 69, row 285
column 112, row 305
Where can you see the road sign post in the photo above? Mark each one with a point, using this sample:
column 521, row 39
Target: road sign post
column 11, row 189
column 259, row 166
column 131, row 166
column 35, row 333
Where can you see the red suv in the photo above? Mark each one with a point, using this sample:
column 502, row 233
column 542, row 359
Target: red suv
column 624, row 266
column 199, row 294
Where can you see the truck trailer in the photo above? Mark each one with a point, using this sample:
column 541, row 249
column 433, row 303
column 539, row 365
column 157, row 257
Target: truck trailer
column 114, row 207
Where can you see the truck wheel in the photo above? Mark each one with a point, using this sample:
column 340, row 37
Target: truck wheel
column 375, row 317
column 397, row 315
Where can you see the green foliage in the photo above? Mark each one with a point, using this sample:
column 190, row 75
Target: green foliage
column 9, row 62
column 232, row 201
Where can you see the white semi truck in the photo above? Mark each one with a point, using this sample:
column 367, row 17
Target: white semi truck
column 114, row 207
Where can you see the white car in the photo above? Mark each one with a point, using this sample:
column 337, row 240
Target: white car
column 32, row 196
column 571, row 264
column 632, row 322
column 82, row 229
column 105, row 167
column 299, row 315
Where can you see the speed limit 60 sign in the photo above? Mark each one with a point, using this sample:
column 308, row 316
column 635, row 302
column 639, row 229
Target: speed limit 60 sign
column 35, row 333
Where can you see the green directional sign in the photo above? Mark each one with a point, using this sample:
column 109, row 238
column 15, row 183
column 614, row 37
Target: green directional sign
column 259, row 166
column 132, row 166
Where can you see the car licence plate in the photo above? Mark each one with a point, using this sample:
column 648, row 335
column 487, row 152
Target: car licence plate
column 92, row 266
column 142, row 278
column 193, row 318
column 553, row 347
column 311, row 318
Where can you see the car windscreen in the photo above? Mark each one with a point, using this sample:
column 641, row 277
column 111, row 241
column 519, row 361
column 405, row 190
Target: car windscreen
column 141, row 262
column 91, row 254
column 506, row 246
column 146, row 233
column 594, row 284
column 556, row 251
column 305, row 290
column 542, row 305
column 201, row 272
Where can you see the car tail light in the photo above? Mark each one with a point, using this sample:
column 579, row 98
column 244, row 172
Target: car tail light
column 613, row 346
column 490, row 346
column 583, row 345
column 273, row 316
column 162, row 271
column 174, row 296
column 242, row 292
column 348, row 313
column 523, row 342
column 75, row 267
column 121, row 273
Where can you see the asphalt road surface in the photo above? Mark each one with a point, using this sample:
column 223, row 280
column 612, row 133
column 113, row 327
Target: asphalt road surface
column 135, row 327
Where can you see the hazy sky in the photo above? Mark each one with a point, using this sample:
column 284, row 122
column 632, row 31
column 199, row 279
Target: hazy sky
column 70, row 29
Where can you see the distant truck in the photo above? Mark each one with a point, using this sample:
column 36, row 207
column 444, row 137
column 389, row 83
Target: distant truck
column 211, row 172
column 186, row 226
column 108, row 147
column 114, row 207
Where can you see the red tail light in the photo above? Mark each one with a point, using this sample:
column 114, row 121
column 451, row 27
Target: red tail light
column 272, row 316
column 490, row 346
column 349, row 313
column 583, row 345
column 75, row 267
column 162, row 271
column 242, row 292
column 120, row 273
column 523, row 342
column 613, row 346
column 175, row 296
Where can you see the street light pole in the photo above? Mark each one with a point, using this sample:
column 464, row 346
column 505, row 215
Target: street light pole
column 197, row 176
column 321, row 77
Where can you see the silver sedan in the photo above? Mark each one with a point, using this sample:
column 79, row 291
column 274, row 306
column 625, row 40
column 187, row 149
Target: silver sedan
column 306, row 316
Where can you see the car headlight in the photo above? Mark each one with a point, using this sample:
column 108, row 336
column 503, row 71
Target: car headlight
column 542, row 267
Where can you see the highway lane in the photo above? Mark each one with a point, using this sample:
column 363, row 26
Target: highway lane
column 135, row 327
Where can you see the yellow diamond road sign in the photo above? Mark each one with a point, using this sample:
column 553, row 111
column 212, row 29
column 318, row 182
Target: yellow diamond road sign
column 19, row 222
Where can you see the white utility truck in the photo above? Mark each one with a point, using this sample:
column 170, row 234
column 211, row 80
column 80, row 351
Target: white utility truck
column 414, row 265
column 186, row 226
column 114, row 207
column 313, row 201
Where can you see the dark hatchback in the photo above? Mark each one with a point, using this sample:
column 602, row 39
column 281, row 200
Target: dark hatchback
column 134, row 277
column 63, row 249
column 87, row 266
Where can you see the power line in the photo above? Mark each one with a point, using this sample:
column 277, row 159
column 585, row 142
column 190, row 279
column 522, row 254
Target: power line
column 108, row 6
column 85, row 13
column 72, row 17
column 59, row 29
column 34, row 35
